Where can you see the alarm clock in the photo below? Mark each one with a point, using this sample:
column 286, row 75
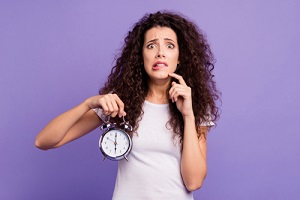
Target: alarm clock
column 115, row 143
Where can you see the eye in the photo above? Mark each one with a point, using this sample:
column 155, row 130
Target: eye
column 170, row 46
column 150, row 46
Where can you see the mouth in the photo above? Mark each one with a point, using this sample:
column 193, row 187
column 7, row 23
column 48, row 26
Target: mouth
column 159, row 65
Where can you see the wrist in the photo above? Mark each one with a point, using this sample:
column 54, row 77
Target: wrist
column 189, row 118
column 87, row 104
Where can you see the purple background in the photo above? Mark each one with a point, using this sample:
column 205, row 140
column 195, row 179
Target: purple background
column 54, row 54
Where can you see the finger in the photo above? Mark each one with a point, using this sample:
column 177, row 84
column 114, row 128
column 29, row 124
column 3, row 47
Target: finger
column 115, row 109
column 179, row 91
column 171, row 91
column 120, row 104
column 178, row 77
column 176, row 94
column 112, row 105
column 109, row 103
column 175, row 87
column 102, row 104
column 175, row 91
column 106, row 104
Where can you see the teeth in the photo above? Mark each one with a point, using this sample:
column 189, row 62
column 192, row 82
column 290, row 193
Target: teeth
column 160, row 65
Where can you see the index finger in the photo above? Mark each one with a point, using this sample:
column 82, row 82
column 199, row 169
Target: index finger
column 178, row 77
column 120, row 105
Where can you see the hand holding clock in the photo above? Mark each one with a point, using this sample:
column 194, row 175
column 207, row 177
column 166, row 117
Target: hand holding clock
column 111, row 104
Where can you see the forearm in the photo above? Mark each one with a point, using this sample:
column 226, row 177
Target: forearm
column 56, row 129
column 193, row 161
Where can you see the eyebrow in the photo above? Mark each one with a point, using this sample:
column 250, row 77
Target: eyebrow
column 154, row 40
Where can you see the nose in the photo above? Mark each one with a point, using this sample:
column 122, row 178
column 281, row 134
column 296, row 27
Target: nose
column 160, row 53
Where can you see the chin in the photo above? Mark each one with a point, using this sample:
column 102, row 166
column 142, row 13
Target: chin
column 161, row 76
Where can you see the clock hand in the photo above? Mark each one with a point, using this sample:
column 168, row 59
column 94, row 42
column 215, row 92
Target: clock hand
column 111, row 140
column 116, row 135
column 115, row 143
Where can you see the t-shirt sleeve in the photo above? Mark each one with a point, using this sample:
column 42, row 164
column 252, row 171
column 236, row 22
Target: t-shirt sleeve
column 100, row 114
column 207, row 122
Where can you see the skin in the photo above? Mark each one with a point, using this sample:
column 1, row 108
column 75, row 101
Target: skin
column 160, row 46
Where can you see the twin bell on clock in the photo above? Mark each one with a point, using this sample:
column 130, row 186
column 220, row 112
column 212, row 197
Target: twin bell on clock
column 115, row 143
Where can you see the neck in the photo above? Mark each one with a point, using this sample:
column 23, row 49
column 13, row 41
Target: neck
column 158, row 92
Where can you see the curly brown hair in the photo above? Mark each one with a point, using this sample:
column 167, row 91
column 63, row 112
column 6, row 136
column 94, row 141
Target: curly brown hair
column 129, row 80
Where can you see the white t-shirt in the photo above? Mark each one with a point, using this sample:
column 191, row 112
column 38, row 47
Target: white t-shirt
column 153, row 168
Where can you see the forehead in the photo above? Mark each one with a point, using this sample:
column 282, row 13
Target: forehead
column 159, row 32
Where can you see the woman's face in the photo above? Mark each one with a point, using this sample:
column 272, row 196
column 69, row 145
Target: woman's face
column 160, row 52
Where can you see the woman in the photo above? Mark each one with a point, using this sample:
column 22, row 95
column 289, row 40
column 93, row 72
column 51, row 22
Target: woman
column 162, row 83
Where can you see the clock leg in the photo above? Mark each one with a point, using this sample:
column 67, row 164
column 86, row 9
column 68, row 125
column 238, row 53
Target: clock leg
column 126, row 158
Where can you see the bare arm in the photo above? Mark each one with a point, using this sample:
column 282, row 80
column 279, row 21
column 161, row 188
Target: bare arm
column 193, row 160
column 193, row 157
column 78, row 121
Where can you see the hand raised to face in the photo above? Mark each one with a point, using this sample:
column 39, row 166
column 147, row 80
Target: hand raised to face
column 181, row 94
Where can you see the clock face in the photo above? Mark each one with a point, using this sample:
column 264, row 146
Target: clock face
column 115, row 144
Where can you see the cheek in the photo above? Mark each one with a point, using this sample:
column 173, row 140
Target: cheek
column 174, row 56
column 147, row 65
column 175, row 60
column 146, row 60
column 174, row 68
